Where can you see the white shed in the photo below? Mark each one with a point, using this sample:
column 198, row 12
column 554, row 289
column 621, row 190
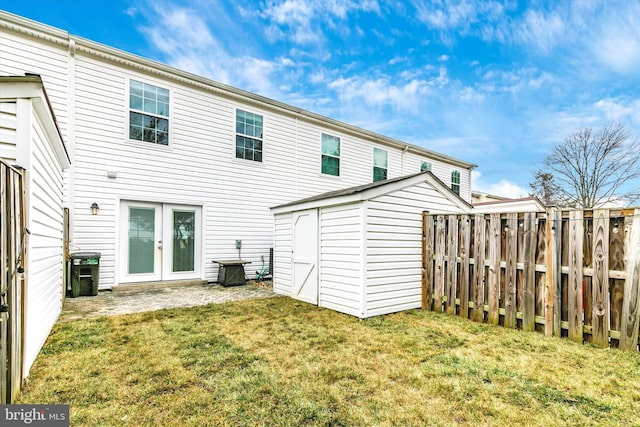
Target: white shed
column 30, row 139
column 358, row 250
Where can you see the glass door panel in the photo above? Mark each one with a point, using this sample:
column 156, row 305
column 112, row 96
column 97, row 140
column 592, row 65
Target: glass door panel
column 142, row 235
column 184, row 223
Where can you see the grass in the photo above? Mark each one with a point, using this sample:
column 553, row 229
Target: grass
column 279, row 362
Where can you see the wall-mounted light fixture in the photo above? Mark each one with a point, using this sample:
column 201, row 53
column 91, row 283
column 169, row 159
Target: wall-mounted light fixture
column 95, row 208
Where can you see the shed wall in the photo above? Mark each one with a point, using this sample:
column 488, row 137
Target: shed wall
column 46, row 253
column 394, row 242
column 282, row 246
column 341, row 258
column 8, row 123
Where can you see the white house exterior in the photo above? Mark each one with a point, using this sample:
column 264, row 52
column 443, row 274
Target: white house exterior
column 181, row 166
column 358, row 251
column 30, row 139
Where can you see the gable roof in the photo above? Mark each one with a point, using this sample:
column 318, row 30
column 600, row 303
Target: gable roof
column 371, row 190
column 78, row 44
column 30, row 86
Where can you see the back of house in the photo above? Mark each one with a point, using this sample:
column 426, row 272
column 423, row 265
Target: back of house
column 179, row 168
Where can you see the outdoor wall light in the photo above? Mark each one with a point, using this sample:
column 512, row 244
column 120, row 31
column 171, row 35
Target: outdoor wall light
column 94, row 208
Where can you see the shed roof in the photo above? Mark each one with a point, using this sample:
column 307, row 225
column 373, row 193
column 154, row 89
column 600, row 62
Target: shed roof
column 370, row 190
column 31, row 86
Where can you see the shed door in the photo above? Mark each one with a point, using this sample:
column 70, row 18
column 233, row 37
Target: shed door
column 305, row 256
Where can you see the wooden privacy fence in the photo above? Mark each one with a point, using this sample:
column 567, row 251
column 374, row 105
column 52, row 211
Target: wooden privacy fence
column 570, row 273
column 12, row 257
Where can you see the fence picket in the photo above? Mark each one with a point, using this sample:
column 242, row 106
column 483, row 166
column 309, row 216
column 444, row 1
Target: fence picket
column 465, row 240
column 478, row 269
column 452, row 264
column 529, row 301
column 511, row 255
column 600, row 279
column 576, row 234
column 550, row 274
column 427, row 261
column 438, row 270
column 494, row 269
column 631, row 300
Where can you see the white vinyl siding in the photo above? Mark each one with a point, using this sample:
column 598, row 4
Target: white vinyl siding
column 341, row 245
column 199, row 166
column 8, row 123
column 20, row 55
column 44, row 295
column 282, row 254
column 394, row 245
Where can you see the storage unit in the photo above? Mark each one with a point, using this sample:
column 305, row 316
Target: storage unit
column 358, row 250
column 85, row 274
column 231, row 272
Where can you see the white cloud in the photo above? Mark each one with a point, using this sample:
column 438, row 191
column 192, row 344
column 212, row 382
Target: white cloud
column 504, row 188
column 616, row 41
column 541, row 31
column 301, row 21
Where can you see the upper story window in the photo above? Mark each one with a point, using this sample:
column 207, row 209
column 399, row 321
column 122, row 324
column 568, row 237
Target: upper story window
column 148, row 113
column 425, row 166
column 455, row 182
column 330, row 155
column 379, row 164
column 248, row 136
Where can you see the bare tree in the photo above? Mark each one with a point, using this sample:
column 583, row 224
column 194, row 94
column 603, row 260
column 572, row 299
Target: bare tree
column 589, row 169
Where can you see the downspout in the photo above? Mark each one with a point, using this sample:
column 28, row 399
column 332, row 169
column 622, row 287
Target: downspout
column 403, row 163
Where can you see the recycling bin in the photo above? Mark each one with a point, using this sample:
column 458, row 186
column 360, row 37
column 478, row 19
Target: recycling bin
column 85, row 274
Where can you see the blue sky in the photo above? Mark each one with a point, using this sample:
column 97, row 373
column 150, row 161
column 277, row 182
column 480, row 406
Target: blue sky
column 493, row 83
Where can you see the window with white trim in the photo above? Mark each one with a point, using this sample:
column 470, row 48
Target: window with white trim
column 248, row 136
column 379, row 164
column 425, row 166
column 148, row 113
column 330, row 155
column 455, row 182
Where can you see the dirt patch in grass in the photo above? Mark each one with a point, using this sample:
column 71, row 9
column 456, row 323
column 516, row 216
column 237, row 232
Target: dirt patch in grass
column 281, row 362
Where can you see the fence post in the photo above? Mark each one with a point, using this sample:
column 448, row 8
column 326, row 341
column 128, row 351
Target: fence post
column 630, row 302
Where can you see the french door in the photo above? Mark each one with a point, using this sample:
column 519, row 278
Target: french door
column 159, row 241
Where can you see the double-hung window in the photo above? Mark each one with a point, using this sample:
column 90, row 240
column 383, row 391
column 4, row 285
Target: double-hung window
column 425, row 166
column 379, row 164
column 330, row 155
column 248, row 136
column 455, row 182
column 148, row 113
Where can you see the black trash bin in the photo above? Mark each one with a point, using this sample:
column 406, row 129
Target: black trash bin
column 85, row 273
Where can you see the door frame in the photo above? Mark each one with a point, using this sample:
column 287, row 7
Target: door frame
column 162, row 242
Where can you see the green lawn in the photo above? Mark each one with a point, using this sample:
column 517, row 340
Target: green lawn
column 278, row 362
